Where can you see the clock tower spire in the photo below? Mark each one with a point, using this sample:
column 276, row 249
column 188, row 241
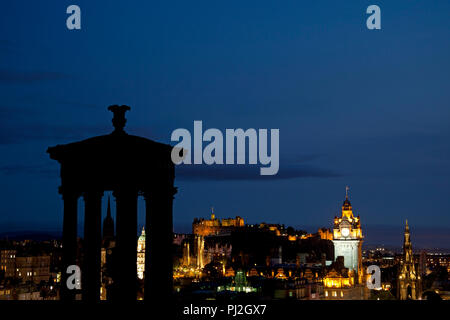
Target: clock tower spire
column 348, row 238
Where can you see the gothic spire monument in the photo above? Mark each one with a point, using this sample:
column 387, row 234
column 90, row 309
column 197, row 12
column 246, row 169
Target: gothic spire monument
column 408, row 287
column 108, row 224
column 348, row 239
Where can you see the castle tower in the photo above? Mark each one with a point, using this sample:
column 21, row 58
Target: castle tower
column 108, row 224
column 348, row 238
column 408, row 280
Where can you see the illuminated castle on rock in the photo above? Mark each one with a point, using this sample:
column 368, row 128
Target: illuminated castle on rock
column 205, row 227
column 348, row 238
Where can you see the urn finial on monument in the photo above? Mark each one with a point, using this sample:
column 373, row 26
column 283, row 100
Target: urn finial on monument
column 119, row 119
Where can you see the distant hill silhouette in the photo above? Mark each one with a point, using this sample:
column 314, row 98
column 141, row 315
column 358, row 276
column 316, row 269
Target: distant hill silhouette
column 30, row 235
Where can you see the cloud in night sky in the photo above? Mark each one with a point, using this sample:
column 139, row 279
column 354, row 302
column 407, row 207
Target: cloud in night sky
column 7, row 47
column 46, row 170
column 15, row 134
column 249, row 172
column 196, row 173
column 11, row 135
column 28, row 77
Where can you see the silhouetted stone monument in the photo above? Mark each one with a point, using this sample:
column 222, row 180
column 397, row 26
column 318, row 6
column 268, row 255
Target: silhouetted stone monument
column 129, row 166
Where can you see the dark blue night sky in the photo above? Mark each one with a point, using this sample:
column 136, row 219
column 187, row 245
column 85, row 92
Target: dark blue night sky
column 368, row 109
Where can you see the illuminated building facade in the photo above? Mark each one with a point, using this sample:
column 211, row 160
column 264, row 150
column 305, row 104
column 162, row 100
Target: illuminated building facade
column 33, row 268
column 435, row 260
column 325, row 234
column 346, row 293
column 8, row 262
column 337, row 280
column 339, row 283
column 309, row 285
column 408, row 280
column 25, row 267
column 348, row 238
column 141, row 255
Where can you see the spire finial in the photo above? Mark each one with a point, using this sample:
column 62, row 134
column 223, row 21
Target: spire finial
column 213, row 216
column 406, row 227
column 346, row 192
column 119, row 119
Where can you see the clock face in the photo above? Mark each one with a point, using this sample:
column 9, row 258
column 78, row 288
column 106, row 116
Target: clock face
column 345, row 232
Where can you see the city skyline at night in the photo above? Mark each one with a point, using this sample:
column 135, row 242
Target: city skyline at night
column 222, row 159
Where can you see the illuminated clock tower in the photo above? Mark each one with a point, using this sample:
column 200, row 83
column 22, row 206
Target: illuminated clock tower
column 348, row 238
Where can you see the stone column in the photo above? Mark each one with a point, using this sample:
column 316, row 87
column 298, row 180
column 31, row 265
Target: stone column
column 90, row 273
column 69, row 241
column 125, row 257
column 159, row 245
